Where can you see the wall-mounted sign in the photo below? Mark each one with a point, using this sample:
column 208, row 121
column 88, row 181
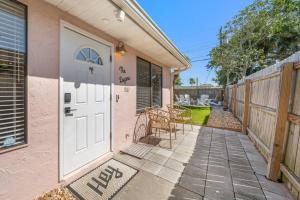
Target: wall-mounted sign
column 123, row 78
column 122, row 70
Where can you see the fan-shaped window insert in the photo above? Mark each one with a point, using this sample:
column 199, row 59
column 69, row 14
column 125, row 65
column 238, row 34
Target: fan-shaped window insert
column 89, row 55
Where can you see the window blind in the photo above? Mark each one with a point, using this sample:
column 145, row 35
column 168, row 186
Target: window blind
column 12, row 73
column 143, row 85
column 156, row 85
column 149, row 85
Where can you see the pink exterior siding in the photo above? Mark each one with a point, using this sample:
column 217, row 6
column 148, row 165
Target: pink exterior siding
column 26, row 173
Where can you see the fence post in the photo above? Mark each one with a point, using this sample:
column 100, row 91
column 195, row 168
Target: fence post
column 281, row 121
column 225, row 101
column 246, row 106
column 234, row 99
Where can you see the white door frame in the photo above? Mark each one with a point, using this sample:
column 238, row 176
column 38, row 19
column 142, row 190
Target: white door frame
column 64, row 24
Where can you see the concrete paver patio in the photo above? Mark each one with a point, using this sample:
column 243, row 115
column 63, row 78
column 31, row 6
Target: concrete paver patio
column 205, row 163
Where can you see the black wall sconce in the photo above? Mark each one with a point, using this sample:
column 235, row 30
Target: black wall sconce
column 121, row 48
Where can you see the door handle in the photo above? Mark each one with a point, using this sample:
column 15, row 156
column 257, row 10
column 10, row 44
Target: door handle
column 68, row 110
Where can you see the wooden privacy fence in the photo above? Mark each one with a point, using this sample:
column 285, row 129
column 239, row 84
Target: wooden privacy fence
column 268, row 105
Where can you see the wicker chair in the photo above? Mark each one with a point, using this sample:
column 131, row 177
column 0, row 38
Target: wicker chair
column 160, row 120
column 180, row 114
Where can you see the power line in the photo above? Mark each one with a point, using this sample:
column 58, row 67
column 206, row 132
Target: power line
column 200, row 60
column 198, row 50
column 199, row 57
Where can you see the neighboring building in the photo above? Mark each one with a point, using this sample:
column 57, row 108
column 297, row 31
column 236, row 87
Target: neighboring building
column 69, row 93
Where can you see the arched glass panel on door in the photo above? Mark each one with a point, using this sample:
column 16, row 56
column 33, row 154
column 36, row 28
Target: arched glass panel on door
column 89, row 55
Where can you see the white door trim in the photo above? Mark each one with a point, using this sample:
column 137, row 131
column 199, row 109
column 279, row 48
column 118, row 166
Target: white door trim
column 64, row 24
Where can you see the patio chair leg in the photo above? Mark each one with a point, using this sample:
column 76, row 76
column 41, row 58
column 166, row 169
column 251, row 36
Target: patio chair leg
column 148, row 139
column 159, row 133
column 149, row 133
column 170, row 138
column 175, row 133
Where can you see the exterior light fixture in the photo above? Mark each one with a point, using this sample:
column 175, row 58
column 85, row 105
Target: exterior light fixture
column 121, row 48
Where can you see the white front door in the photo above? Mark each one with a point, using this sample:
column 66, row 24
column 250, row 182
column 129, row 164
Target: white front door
column 85, row 71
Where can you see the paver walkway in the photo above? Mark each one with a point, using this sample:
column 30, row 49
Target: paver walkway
column 223, row 119
column 205, row 163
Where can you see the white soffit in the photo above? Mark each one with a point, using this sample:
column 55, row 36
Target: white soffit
column 137, row 30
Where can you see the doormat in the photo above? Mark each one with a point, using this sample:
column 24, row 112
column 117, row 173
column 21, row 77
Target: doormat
column 103, row 182
column 138, row 150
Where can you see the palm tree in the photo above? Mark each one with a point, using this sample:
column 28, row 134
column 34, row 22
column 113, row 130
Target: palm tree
column 192, row 81
column 177, row 81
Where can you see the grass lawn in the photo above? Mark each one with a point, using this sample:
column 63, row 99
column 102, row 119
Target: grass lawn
column 200, row 115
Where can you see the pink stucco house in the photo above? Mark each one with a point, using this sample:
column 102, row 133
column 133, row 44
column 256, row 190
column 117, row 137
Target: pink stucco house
column 74, row 75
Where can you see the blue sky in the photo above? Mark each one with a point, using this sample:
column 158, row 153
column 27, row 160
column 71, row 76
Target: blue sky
column 193, row 26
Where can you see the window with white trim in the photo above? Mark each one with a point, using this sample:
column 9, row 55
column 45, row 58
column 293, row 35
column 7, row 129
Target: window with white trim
column 149, row 85
column 12, row 73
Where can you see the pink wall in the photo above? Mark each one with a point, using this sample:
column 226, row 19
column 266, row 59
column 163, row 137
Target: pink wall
column 26, row 173
column 125, row 110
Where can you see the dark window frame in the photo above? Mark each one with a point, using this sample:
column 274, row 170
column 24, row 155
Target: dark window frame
column 25, row 87
column 151, row 88
column 161, row 85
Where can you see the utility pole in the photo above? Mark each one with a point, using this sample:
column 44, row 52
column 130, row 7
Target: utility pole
column 197, row 88
column 220, row 36
column 227, row 73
